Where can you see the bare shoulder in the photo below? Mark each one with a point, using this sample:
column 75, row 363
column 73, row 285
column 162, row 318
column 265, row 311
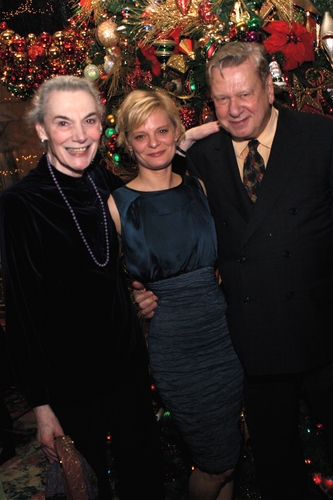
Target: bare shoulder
column 114, row 213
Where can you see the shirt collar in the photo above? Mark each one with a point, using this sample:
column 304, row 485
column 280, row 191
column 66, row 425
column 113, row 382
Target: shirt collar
column 265, row 138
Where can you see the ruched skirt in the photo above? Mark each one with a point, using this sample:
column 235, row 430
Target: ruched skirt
column 195, row 368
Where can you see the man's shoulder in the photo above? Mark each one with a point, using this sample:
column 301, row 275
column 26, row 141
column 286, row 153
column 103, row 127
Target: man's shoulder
column 305, row 119
column 210, row 142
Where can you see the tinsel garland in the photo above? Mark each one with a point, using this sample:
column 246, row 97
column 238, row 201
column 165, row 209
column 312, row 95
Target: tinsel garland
column 165, row 45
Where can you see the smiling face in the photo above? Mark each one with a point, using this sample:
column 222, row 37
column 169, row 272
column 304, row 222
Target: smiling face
column 154, row 142
column 242, row 101
column 72, row 128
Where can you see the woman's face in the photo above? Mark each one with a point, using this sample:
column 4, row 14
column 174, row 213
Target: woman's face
column 154, row 142
column 73, row 129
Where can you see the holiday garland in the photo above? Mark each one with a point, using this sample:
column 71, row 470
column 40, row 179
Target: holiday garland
column 165, row 44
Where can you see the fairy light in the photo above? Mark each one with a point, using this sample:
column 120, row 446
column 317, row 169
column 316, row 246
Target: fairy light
column 27, row 8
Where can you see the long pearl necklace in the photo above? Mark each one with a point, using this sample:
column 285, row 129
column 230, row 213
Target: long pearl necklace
column 100, row 264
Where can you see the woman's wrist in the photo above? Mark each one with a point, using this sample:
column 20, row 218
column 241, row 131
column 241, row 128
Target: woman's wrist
column 180, row 151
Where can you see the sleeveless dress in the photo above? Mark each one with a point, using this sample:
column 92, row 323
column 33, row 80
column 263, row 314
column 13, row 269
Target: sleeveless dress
column 169, row 243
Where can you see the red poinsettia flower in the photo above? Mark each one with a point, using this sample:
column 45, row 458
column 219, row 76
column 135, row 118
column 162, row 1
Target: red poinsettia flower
column 294, row 41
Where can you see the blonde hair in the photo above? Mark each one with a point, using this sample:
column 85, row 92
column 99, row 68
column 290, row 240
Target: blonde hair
column 138, row 106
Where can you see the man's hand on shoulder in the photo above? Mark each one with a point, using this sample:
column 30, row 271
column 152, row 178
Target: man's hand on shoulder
column 145, row 299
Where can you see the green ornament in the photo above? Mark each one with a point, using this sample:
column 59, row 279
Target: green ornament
column 109, row 131
column 254, row 24
column 193, row 86
column 91, row 72
column 116, row 158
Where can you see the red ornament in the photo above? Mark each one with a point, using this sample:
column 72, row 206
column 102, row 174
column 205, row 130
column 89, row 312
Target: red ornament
column 36, row 54
column 188, row 117
column 45, row 38
column 205, row 12
column 3, row 26
column 62, row 70
column 69, row 48
column 19, row 44
column 183, row 6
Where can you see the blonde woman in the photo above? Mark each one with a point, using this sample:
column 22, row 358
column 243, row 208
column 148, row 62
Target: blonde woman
column 169, row 241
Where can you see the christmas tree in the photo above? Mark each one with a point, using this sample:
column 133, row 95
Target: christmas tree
column 165, row 44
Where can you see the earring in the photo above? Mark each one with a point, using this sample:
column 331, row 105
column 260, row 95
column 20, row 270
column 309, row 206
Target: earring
column 131, row 153
column 42, row 141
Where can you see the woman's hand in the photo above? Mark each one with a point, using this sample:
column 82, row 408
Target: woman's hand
column 146, row 300
column 48, row 428
column 196, row 133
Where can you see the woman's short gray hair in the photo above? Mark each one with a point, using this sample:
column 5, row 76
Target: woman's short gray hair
column 60, row 83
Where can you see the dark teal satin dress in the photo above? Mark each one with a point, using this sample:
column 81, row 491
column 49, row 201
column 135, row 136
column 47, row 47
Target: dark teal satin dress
column 169, row 243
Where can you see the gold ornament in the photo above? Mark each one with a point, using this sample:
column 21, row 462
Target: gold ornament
column 305, row 95
column 106, row 34
column 54, row 52
column 239, row 14
column 20, row 58
column 186, row 46
column 177, row 62
column 110, row 120
column 31, row 38
column 285, row 9
column 326, row 36
column 165, row 17
column 7, row 37
column 59, row 37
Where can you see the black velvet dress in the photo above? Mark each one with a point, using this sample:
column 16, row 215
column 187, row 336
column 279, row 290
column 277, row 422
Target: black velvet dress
column 71, row 328
column 169, row 243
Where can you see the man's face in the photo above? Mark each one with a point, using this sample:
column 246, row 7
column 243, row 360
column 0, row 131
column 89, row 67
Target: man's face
column 242, row 101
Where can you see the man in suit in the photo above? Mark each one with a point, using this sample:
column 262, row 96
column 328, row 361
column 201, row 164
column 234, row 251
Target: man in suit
column 275, row 258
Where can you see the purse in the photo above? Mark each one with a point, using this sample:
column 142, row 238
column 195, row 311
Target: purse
column 71, row 478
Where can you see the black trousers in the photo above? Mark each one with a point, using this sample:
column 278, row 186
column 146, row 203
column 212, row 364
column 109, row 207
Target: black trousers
column 128, row 414
column 272, row 408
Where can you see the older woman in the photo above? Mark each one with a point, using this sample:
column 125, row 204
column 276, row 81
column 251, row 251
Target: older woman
column 78, row 353
column 169, row 242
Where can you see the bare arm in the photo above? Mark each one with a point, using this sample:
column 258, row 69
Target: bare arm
column 114, row 214
column 48, row 428
column 196, row 133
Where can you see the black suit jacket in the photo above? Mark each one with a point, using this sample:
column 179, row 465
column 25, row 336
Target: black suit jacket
column 276, row 257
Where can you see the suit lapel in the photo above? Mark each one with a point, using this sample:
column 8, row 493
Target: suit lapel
column 226, row 174
column 286, row 149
